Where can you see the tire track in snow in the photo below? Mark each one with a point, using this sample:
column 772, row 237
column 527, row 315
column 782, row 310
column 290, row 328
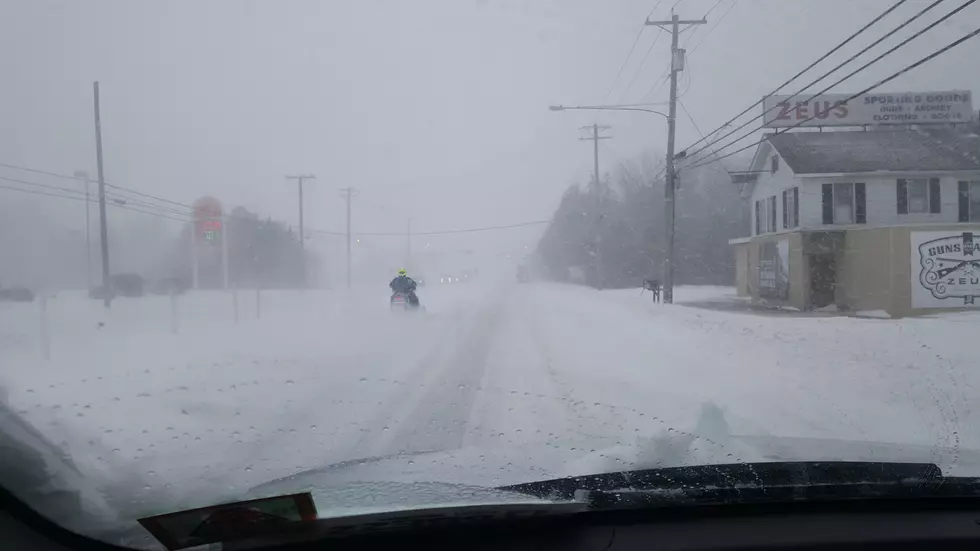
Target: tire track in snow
column 435, row 415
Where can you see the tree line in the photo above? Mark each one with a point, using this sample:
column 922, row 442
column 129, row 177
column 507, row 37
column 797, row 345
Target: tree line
column 611, row 233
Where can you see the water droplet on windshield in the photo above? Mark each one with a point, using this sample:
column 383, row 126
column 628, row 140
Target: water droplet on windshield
column 411, row 462
column 461, row 387
column 363, row 379
column 248, row 469
column 289, row 382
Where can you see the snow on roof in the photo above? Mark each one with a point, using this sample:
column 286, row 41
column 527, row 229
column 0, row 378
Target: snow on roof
column 878, row 150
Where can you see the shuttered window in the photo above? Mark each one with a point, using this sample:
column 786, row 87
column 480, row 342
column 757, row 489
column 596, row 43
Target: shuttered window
column 969, row 201
column 844, row 203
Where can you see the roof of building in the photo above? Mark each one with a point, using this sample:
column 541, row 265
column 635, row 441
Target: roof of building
column 878, row 150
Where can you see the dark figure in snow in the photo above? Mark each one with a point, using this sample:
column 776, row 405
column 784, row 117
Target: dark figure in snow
column 405, row 285
column 653, row 286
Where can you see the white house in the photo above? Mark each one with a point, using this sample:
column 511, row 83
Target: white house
column 884, row 219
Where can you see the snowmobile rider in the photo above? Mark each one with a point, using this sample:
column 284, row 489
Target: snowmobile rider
column 405, row 285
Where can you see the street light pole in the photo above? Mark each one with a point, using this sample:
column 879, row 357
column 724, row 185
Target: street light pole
column 302, row 251
column 668, row 276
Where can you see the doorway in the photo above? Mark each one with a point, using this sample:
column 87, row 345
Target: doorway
column 823, row 280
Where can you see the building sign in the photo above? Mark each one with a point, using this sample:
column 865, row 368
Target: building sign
column 868, row 109
column 774, row 269
column 207, row 219
column 945, row 269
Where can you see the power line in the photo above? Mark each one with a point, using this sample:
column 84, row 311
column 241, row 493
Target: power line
column 636, row 40
column 712, row 29
column 931, row 56
column 711, row 9
column 846, row 41
column 443, row 232
column 828, row 73
column 662, row 79
column 639, row 68
column 36, row 192
column 848, row 60
column 46, row 186
column 82, row 199
column 80, row 179
column 189, row 215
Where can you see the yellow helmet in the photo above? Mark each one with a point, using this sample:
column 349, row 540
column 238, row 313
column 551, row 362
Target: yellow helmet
column 402, row 272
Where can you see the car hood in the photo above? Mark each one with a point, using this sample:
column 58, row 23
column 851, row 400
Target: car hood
column 473, row 475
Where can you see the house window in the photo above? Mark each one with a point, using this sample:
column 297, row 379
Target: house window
column 771, row 210
column 969, row 201
column 765, row 215
column 791, row 208
column 774, row 164
column 844, row 203
column 918, row 195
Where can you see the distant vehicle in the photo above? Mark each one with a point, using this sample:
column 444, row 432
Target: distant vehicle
column 16, row 294
column 168, row 285
column 522, row 275
column 127, row 285
column 99, row 293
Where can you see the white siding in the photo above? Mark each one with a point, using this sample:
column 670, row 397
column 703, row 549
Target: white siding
column 770, row 184
column 882, row 203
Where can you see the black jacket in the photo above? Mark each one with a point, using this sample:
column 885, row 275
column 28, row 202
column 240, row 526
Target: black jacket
column 403, row 284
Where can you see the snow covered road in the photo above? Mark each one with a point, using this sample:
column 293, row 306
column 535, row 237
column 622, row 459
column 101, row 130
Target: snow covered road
column 324, row 377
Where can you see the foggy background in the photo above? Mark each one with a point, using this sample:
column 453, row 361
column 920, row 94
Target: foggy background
column 435, row 111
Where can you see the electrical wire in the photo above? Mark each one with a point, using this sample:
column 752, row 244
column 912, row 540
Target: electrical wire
column 711, row 9
column 639, row 68
column 712, row 29
column 189, row 216
column 636, row 40
column 908, row 68
column 846, row 77
column 81, row 179
column 467, row 230
column 82, row 199
column 46, row 186
column 833, row 50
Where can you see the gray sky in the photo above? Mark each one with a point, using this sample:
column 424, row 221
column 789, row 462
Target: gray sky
column 435, row 109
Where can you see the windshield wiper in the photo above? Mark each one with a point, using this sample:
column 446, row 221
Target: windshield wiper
column 742, row 483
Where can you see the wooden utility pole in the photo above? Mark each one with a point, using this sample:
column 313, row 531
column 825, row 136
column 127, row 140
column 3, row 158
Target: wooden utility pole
column 348, row 194
column 103, row 229
column 302, row 251
column 676, row 66
column 595, row 137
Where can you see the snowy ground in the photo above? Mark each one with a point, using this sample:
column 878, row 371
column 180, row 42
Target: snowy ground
column 324, row 377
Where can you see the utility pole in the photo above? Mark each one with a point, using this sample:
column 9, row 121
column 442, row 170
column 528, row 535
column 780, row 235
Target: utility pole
column 348, row 194
column 597, row 229
column 103, row 229
column 595, row 137
column 676, row 66
column 82, row 175
column 302, row 251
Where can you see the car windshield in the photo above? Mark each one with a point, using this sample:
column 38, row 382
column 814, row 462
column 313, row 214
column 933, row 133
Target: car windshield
column 403, row 254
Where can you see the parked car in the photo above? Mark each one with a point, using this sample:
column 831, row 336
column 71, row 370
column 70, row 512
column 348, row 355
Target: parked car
column 127, row 285
column 168, row 285
column 99, row 293
column 16, row 294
